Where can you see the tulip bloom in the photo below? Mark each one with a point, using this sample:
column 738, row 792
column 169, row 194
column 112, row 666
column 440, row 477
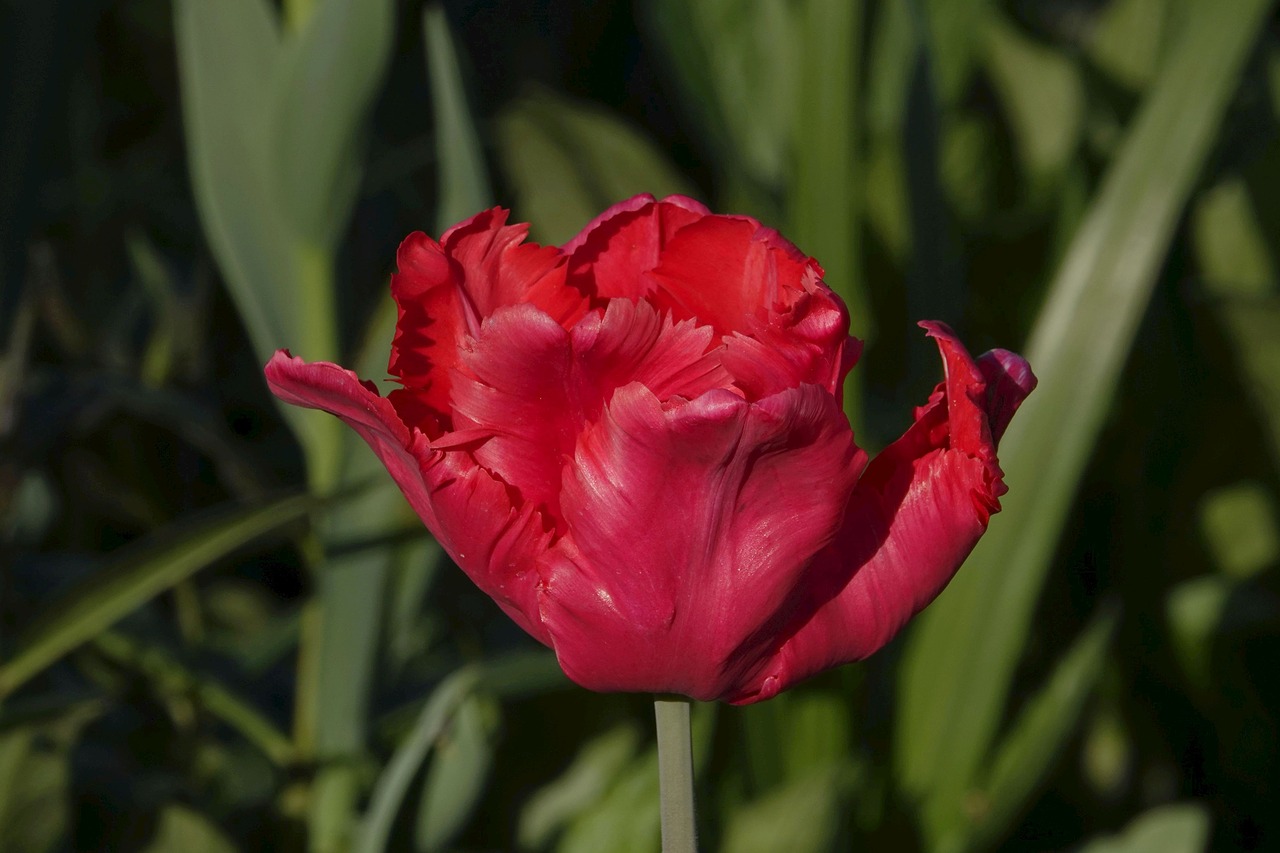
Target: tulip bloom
column 635, row 445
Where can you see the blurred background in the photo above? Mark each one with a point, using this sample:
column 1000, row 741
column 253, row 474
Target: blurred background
column 220, row 627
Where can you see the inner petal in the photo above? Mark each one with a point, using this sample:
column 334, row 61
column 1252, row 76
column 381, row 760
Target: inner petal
column 724, row 270
column 525, row 388
column 444, row 289
column 611, row 254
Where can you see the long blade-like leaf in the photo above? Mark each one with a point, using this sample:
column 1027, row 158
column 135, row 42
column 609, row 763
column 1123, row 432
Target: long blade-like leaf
column 393, row 784
column 138, row 574
column 330, row 71
column 354, row 586
column 226, row 52
column 464, row 179
column 1037, row 736
column 962, row 655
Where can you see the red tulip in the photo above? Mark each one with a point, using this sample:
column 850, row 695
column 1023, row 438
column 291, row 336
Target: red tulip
column 635, row 445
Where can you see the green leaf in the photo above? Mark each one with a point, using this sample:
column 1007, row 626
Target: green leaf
column 1253, row 327
column 802, row 816
column 1202, row 609
column 230, row 56
column 1231, row 245
column 395, row 779
column 330, row 70
column 456, row 778
column 35, row 779
column 135, row 575
column 961, row 656
column 464, row 179
column 568, row 161
column 1028, row 752
column 173, row 677
column 182, row 828
column 228, row 53
column 1182, row 828
column 825, row 187
column 579, row 788
column 1239, row 526
column 955, row 38
column 739, row 64
column 626, row 818
column 1126, row 40
column 1043, row 97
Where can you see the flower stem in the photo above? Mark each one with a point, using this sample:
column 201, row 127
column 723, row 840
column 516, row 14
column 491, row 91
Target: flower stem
column 675, row 774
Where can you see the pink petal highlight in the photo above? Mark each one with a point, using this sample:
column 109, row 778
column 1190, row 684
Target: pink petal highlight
column 527, row 388
column 687, row 528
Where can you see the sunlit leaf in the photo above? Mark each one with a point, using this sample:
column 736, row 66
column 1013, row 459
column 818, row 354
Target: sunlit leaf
column 580, row 787
column 962, row 654
column 456, row 779
column 568, row 161
column 182, row 828
column 1182, row 828
column 1043, row 97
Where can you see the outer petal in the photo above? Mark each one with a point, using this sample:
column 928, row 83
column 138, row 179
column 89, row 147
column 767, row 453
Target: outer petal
column 609, row 256
column 687, row 528
column 915, row 515
column 466, row 508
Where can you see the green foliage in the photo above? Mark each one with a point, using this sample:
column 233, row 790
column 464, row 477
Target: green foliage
column 190, row 662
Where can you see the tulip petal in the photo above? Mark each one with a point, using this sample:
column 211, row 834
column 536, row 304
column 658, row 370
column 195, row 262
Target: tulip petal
column 607, row 259
column 726, row 269
column 916, row 513
column 444, row 289
column 687, row 527
column 809, row 343
column 465, row 507
column 528, row 388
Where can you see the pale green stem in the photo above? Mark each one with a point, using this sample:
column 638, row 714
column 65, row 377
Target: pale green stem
column 675, row 775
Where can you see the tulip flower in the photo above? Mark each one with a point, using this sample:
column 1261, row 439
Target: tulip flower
column 635, row 445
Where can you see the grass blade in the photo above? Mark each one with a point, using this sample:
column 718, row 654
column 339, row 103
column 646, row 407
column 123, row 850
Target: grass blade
column 170, row 675
column 464, row 178
column 1036, row 738
column 393, row 784
column 568, row 161
column 331, row 68
column 136, row 575
column 962, row 654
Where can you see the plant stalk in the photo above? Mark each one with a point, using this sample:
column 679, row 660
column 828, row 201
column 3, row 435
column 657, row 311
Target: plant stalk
column 675, row 775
